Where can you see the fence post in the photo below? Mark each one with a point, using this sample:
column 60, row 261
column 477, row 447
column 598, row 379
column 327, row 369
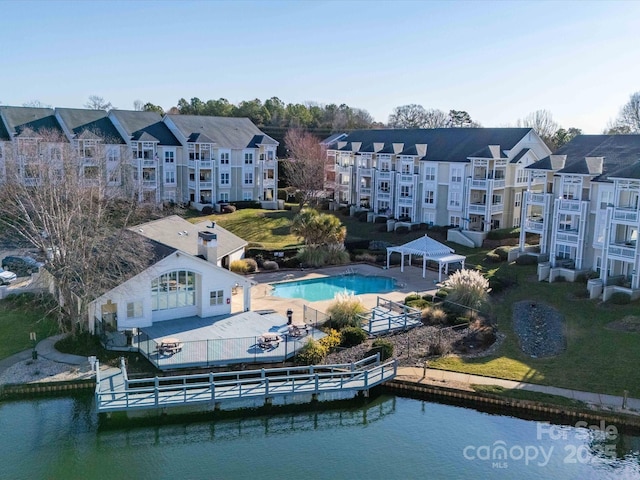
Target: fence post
column 213, row 386
column 156, row 390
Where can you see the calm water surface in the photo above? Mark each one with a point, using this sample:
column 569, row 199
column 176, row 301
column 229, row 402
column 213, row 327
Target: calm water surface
column 326, row 288
column 390, row 438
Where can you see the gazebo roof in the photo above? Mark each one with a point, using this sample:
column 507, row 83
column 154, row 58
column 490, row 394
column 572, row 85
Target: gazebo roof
column 423, row 246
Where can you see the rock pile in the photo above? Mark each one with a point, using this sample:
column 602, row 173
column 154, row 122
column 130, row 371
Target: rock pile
column 540, row 329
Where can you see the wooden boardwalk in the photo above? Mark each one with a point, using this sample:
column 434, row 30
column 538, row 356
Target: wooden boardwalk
column 116, row 392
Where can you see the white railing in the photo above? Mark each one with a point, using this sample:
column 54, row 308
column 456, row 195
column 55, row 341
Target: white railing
column 625, row 215
column 407, row 178
column 623, row 251
column 536, row 198
column 365, row 190
column 563, row 236
column 569, row 205
column 206, row 164
column 191, row 184
column 477, row 183
column 497, row 207
column 383, row 195
column 206, row 184
column 477, row 208
column 499, row 183
column 191, row 164
column 149, row 183
column 534, row 225
column 149, row 163
column 405, row 201
column 365, row 172
column 384, row 175
column 160, row 392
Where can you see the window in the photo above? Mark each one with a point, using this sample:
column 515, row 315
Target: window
column 522, row 175
column 406, row 169
column 169, row 157
column 224, row 178
column 134, row 309
column 247, row 196
column 216, row 297
column 170, row 177
column 406, row 191
column 384, row 187
column 456, row 174
column 454, row 220
column 199, row 151
column 405, row 213
column 429, row 218
column 173, row 290
column 270, row 155
column 565, row 222
column 429, row 197
column 496, row 199
column 248, row 178
column 113, row 154
column 518, row 199
column 564, row 251
column 430, row 174
column 385, row 165
column 248, row 158
column 224, row 158
column 606, row 198
column 55, row 153
column 224, row 197
column 516, row 221
column 454, row 199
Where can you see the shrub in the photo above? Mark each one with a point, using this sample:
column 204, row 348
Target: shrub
column 493, row 257
column 239, row 266
column 365, row 257
column 503, row 233
column 361, row 216
column 502, row 252
column 380, row 220
column 282, row 194
column 527, row 260
column 252, row 265
column 270, row 265
column 291, row 262
column 344, row 311
column 378, row 245
column 409, row 298
column 434, row 316
column 240, row 205
column 352, row 336
column 336, row 255
column 385, row 347
column 401, row 230
column 312, row 257
column 500, row 283
column 312, row 353
column 620, row 298
column 469, row 288
column 207, row 210
column 418, row 303
column 442, row 294
column 228, row 209
column 332, row 340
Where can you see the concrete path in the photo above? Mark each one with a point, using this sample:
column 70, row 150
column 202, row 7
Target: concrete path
column 46, row 349
column 453, row 379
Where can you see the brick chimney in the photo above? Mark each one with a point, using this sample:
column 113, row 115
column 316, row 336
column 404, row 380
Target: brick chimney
column 208, row 246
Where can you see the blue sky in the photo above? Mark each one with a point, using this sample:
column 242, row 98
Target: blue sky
column 497, row 60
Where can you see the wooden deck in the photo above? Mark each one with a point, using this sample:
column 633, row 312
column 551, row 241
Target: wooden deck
column 117, row 392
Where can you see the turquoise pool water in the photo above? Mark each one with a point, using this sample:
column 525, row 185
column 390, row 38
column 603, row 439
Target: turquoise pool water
column 327, row 287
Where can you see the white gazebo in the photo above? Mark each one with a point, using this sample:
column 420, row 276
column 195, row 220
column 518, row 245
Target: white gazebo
column 428, row 249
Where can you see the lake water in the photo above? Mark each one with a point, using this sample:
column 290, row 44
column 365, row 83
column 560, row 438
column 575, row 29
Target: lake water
column 390, row 438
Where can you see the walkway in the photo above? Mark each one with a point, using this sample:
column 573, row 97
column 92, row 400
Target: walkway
column 449, row 379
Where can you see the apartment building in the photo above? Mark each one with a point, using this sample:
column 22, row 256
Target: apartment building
column 583, row 213
column 471, row 178
column 156, row 159
column 227, row 159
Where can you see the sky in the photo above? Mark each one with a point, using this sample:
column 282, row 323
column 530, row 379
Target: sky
column 499, row 60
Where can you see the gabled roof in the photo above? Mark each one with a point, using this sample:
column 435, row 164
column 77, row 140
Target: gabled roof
column 145, row 127
column 82, row 121
column 576, row 149
column 630, row 171
column 520, row 154
column 226, row 132
column 346, row 148
column 180, row 234
column 333, row 138
column 4, row 135
column 199, row 138
column 488, row 152
column 38, row 120
column 410, row 151
column 443, row 144
column 367, row 149
column 424, row 246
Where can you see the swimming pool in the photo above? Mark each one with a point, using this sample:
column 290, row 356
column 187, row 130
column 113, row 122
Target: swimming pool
column 326, row 288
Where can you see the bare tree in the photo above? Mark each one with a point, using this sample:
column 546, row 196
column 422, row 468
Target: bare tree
column 35, row 104
column 460, row 119
column 68, row 204
column 96, row 102
column 305, row 165
column 416, row 116
column 628, row 120
column 138, row 105
column 542, row 122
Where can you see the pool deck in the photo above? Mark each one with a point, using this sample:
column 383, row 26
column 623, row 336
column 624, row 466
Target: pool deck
column 409, row 281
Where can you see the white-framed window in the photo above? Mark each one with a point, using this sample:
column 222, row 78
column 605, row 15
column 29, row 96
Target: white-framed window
column 134, row 309
column 564, row 251
column 216, row 297
column 170, row 177
column 598, row 264
column 606, row 199
column 88, row 148
column 224, row 158
column 518, row 199
column 406, row 169
column 248, row 158
column 429, row 197
column 385, row 165
column 384, row 187
column 248, row 178
column 406, row 191
column 405, row 212
column 173, row 290
column 113, row 154
column 383, row 207
column 496, row 199
column 143, row 150
column 224, row 178
column 247, row 196
column 454, row 199
column 522, row 175
column 113, row 176
column 565, row 222
column 271, row 155
column 430, row 174
column 456, row 174
column 455, row 220
column 516, row 220
column 169, row 157
column 224, row 196
column 429, row 218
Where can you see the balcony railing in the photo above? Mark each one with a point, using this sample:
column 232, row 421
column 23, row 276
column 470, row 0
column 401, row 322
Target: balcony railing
column 537, row 198
column 383, row 195
column 479, row 183
column 149, row 182
column 268, row 182
column 569, row 237
column 625, row 215
column 365, row 172
column 149, row 162
column 569, row 205
column 365, row 190
column 497, row 207
column 534, row 225
column 382, row 175
column 206, row 184
column 478, row 208
column 500, row 183
column 624, row 251
column 405, row 201
column 407, row 178
column 206, row 164
column 191, row 184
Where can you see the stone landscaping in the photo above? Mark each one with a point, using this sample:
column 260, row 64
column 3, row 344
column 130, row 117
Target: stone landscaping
column 540, row 329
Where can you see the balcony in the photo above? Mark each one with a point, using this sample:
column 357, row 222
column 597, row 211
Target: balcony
column 149, row 183
column 537, row 198
column 499, row 183
column 407, row 178
column 569, row 205
column 478, row 208
column 206, row 164
column 365, row 190
column 497, row 208
column 384, row 175
column 206, row 184
column 191, row 184
column 567, row 236
column 627, row 215
column 149, row 162
column 623, row 251
column 404, row 200
column 479, row 183
column 268, row 182
column 191, row 163
column 365, row 172
column 535, row 224
column 383, row 196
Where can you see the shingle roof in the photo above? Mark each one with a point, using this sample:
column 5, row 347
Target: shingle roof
column 410, row 151
column 4, row 135
column 576, row 149
column 333, row 138
column 145, row 126
column 368, row 149
column 630, row 171
column 520, row 154
column 79, row 121
column 199, row 138
column 226, row 132
column 444, row 144
column 38, row 120
column 171, row 231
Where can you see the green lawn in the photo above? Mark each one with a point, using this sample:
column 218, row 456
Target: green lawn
column 16, row 322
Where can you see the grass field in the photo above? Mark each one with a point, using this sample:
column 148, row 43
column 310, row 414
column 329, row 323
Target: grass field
column 17, row 320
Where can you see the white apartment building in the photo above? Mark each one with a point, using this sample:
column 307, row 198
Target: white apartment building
column 157, row 159
column 471, row 178
column 582, row 213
